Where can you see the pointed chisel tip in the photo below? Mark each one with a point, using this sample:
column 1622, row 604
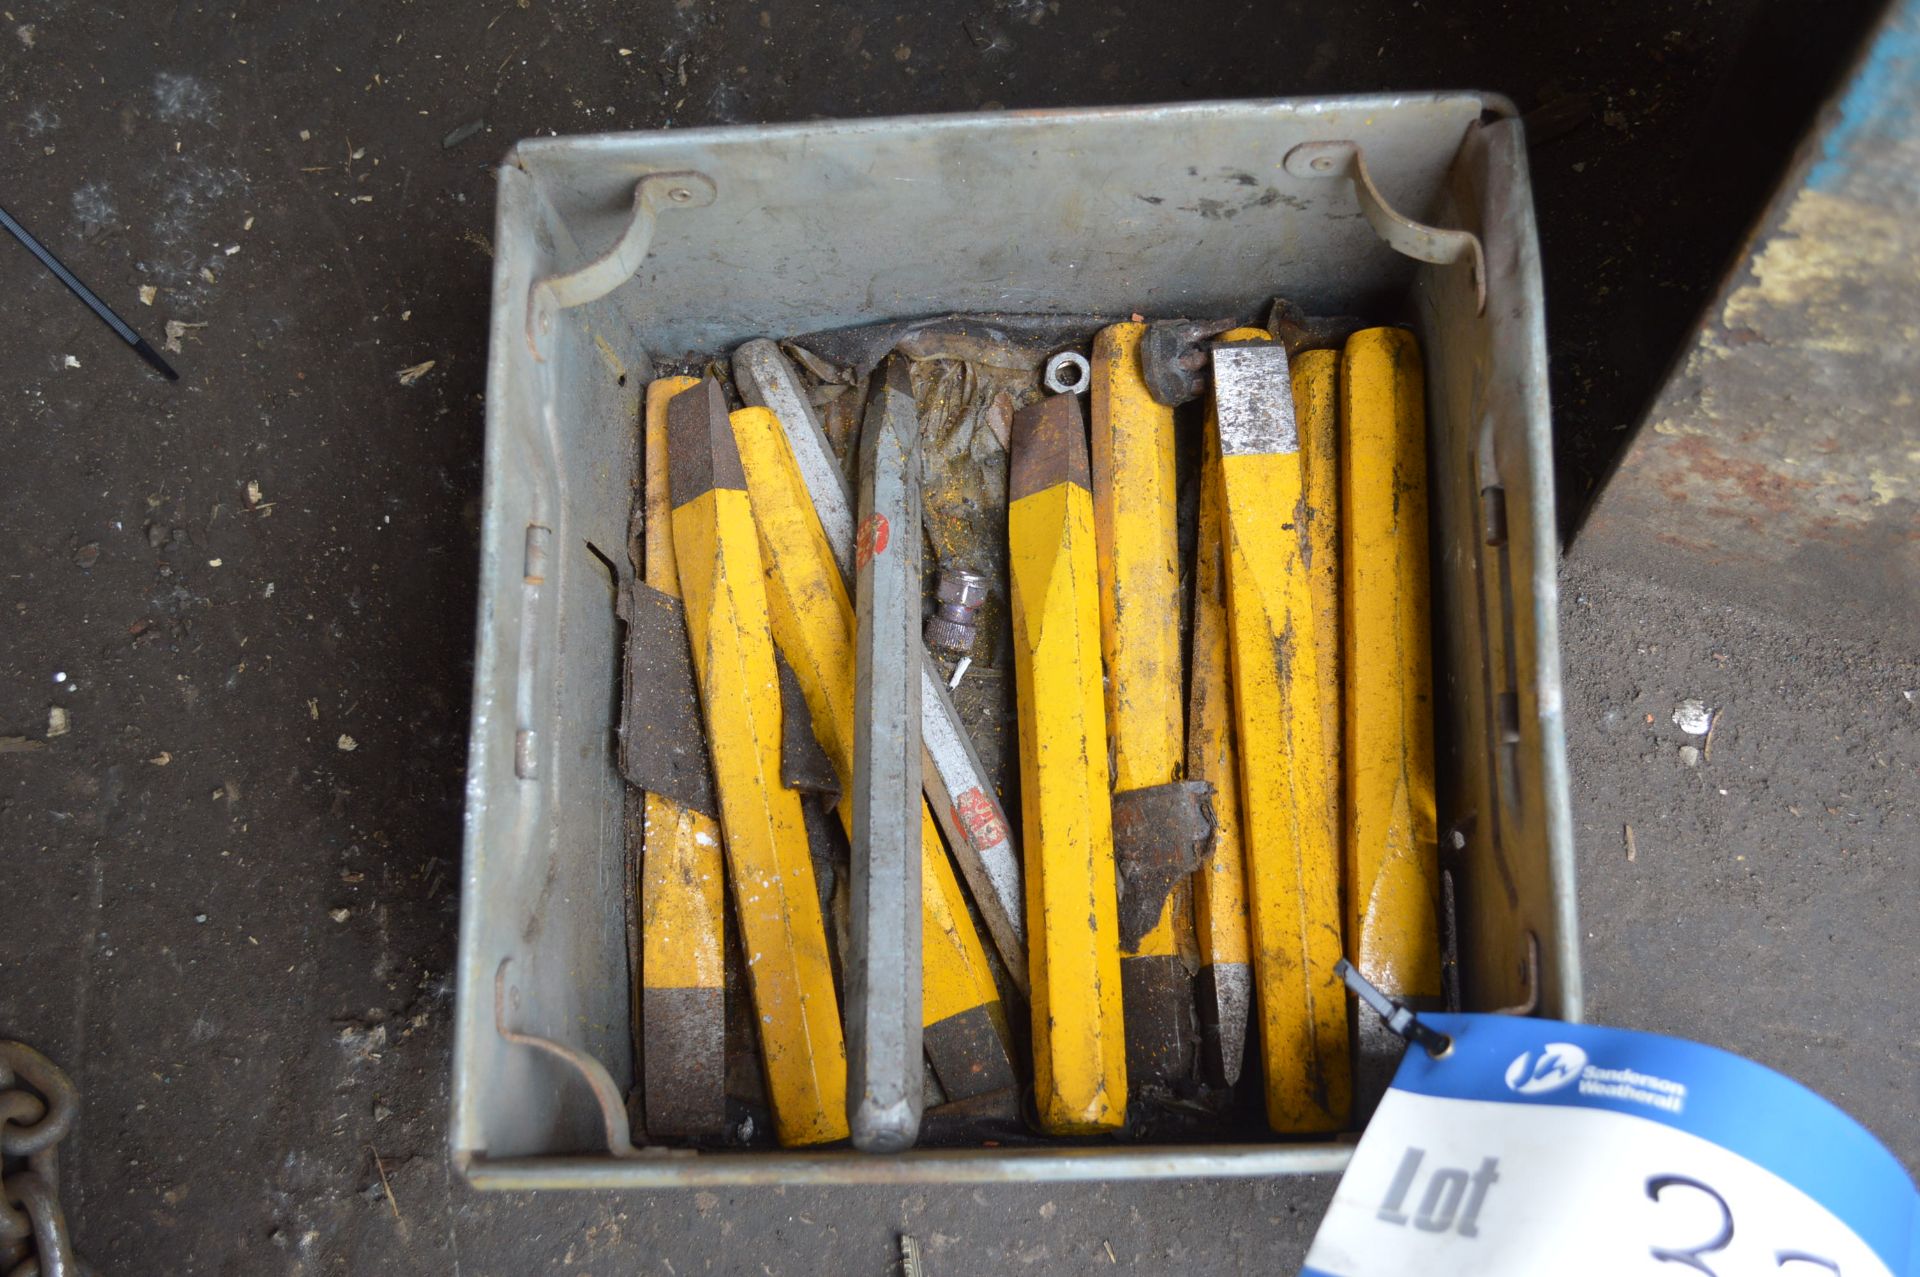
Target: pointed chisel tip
column 896, row 376
column 1049, row 446
column 1226, row 1001
column 891, row 414
column 701, row 453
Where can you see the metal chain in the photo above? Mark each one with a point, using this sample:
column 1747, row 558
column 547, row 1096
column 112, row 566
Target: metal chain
column 38, row 1105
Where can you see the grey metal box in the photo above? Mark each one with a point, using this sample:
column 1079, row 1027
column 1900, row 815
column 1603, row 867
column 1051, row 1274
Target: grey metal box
column 1175, row 210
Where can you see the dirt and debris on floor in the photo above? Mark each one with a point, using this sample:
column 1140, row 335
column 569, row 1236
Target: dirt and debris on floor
column 266, row 1091
column 1768, row 852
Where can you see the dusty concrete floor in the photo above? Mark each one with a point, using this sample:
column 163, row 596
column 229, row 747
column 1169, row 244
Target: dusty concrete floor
column 236, row 932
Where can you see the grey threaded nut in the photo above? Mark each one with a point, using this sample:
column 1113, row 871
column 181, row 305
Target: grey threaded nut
column 960, row 594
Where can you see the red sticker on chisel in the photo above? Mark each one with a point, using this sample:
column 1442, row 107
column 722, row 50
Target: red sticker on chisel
column 871, row 539
column 973, row 812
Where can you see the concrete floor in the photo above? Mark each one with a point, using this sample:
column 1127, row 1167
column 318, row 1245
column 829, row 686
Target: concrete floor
column 236, row 932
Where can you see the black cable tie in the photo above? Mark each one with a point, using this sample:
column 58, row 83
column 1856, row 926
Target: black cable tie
column 1399, row 1016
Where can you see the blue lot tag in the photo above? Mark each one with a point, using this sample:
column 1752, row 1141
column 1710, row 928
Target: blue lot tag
column 1535, row 1146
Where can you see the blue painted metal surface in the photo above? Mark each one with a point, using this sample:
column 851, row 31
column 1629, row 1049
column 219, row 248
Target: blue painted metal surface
column 1777, row 466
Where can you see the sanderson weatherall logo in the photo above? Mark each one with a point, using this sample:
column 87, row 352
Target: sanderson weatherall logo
column 1548, row 1069
column 1561, row 1064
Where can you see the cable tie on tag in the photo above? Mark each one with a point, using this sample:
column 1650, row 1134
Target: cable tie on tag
column 1399, row 1017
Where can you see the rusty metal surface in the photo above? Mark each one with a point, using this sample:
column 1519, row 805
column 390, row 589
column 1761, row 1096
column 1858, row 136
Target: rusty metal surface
column 1777, row 465
column 1049, row 456
column 1223, row 994
column 968, row 1055
column 745, row 1080
column 827, row 848
column 685, row 1031
column 993, row 1116
column 1299, row 331
column 716, row 463
column 663, row 748
column 38, row 1106
column 1173, row 360
column 1161, row 834
column 966, row 410
column 1162, row 1033
column 803, row 764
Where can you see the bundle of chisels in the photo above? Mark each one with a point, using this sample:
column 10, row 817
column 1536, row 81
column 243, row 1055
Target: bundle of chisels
column 1002, row 660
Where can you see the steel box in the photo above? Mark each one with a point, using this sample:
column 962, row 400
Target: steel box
column 1169, row 210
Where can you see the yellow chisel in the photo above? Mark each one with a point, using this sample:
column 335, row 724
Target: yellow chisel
column 1134, row 511
column 1225, row 984
column 1317, row 416
column 717, row 552
column 813, row 623
column 1073, row 942
column 1293, row 867
column 682, row 878
column 1392, row 857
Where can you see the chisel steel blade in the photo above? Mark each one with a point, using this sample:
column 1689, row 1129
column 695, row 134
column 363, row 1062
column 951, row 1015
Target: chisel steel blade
column 884, row 982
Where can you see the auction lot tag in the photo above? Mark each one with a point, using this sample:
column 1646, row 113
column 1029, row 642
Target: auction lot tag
column 1536, row 1146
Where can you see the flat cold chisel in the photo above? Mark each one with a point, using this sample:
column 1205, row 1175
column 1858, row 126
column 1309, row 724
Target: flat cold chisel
column 884, row 1092
column 682, row 878
column 1138, row 553
column 717, row 553
column 1224, row 988
column 1392, row 859
column 958, row 789
column 1079, row 1048
column 813, row 623
column 1293, row 876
